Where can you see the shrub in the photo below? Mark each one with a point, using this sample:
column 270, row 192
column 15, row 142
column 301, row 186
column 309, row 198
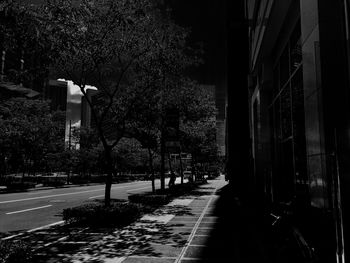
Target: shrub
column 98, row 178
column 98, row 215
column 150, row 199
column 58, row 180
column 15, row 252
column 77, row 179
column 162, row 197
column 181, row 189
column 20, row 185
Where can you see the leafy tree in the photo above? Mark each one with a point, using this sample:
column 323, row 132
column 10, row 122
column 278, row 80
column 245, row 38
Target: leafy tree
column 28, row 133
column 28, row 50
column 131, row 156
column 198, row 124
column 196, row 109
column 126, row 49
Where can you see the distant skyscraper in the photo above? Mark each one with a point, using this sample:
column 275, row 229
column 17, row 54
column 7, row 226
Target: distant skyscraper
column 86, row 117
column 56, row 92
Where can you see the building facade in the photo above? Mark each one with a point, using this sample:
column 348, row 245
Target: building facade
column 299, row 101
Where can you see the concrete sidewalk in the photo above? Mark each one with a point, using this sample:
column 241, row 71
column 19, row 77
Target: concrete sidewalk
column 204, row 226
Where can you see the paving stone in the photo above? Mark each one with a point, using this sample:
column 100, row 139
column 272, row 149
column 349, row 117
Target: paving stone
column 184, row 219
column 203, row 231
column 148, row 260
column 194, row 252
column 207, row 224
column 208, row 219
column 199, row 240
column 181, row 224
column 158, row 250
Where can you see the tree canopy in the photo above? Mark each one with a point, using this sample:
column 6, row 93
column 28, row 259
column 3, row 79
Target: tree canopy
column 28, row 133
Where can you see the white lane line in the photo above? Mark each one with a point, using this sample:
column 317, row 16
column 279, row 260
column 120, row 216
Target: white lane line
column 93, row 197
column 26, row 210
column 49, row 196
column 135, row 190
column 46, row 226
column 40, row 192
column 10, row 237
column 34, row 229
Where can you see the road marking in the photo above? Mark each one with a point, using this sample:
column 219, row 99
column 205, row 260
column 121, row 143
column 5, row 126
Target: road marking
column 10, row 237
column 40, row 192
column 135, row 190
column 34, row 229
column 56, row 195
column 93, row 197
column 26, row 210
column 46, row 226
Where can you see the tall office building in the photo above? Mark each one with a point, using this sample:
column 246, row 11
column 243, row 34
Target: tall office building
column 86, row 117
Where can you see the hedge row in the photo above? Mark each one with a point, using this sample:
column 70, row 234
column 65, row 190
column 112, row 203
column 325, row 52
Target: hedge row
column 97, row 214
column 121, row 213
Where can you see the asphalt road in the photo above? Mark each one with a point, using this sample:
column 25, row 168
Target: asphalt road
column 21, row 212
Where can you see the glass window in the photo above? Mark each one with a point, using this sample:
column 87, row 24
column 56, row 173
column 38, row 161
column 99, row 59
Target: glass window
column 284, row 66
column 286, row 113
column 276, row 80
column 295, row 48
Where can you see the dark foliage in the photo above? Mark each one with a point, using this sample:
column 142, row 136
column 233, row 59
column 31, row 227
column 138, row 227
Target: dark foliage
column 15, row 252
column 150, row 199
column 162, row 197
column 97, row 214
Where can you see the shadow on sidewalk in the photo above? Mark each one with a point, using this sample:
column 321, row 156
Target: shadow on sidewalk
column 237, row 235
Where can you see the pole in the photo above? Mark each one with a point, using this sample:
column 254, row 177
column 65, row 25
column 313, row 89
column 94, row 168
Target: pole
column 162, row 160
column 3, row 65
column 181, row 171
column 70, row 135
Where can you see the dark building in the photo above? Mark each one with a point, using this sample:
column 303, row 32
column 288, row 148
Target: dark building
column 56, row 92
column 86, row 117
column 299, row 101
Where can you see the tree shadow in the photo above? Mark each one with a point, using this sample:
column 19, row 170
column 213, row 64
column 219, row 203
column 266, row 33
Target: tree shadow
column 68, row 244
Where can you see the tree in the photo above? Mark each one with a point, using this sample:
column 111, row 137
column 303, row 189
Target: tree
column 27, row 50
column 28, row 133
column 125, row 49
column 198, row 124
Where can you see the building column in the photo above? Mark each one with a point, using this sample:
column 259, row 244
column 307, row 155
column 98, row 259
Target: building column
column 238, row 164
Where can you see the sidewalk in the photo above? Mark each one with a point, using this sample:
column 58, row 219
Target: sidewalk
column 206, row 226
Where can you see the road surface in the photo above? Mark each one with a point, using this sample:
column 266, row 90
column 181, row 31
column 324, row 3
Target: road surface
column 30, row 210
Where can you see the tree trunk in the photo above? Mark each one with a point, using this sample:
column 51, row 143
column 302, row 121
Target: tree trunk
column 152, row 170
column 109, row 164
column 181, row 171
column 169, row 161
column 162, row 160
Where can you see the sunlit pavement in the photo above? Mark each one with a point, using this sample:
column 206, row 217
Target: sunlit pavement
column 176, row 232
column 203, row 226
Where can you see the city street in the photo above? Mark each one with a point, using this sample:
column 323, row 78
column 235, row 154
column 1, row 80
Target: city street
column 34, row 209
